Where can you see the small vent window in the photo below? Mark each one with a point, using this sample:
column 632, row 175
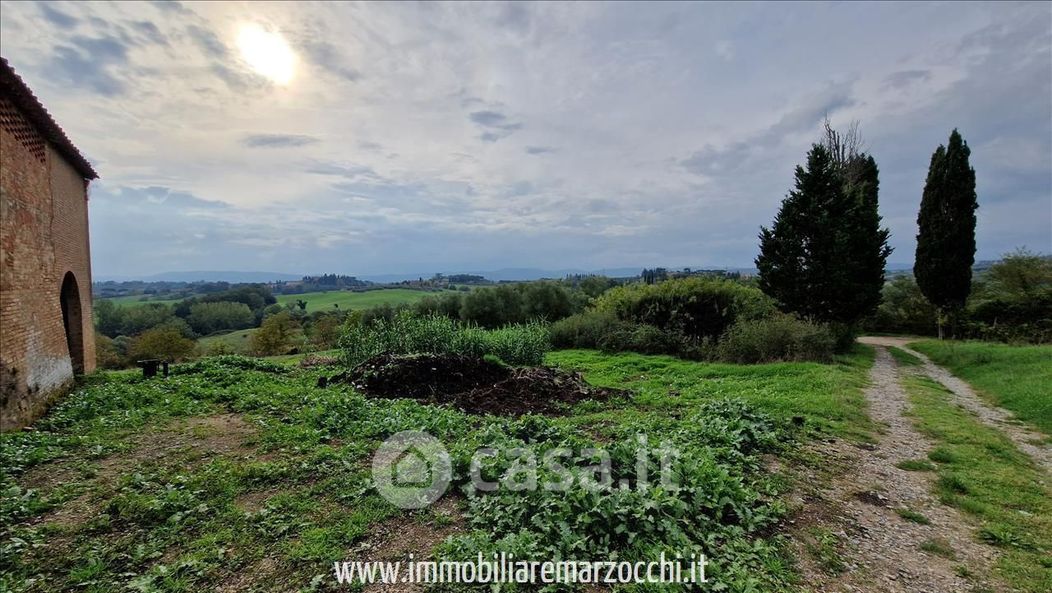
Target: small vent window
column 12, row 121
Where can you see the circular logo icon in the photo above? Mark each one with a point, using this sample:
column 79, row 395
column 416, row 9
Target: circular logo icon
column 412, row 469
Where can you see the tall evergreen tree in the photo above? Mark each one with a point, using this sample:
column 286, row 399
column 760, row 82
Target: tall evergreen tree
column 824, row 256
column 946, row 239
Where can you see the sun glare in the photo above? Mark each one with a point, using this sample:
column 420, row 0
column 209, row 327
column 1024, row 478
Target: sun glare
column 267, row 53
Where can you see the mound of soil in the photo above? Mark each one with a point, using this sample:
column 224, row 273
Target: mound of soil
column 473, row 385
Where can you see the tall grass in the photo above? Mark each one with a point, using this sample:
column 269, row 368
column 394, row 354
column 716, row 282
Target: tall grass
column 524, row 344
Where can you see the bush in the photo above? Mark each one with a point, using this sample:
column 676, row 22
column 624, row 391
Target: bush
column 584, row 330
column 493, row 307
column 445, row 304
column 274, row 337
column 410, row 334
column 208, row 318
column 107, row 355
column 903, row 309
column 636, row 337
column 165, row 342
column 692, row 307
column 780, row 337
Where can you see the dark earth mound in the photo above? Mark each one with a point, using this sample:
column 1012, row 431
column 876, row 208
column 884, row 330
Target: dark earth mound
column 473, row 385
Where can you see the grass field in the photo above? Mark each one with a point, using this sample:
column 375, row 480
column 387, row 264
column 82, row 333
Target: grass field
column 316, row 301
column 829, row 396
column 236, row 341
column 242, row 474
column 1017, row 378
column 350, row 301
column 982, row 473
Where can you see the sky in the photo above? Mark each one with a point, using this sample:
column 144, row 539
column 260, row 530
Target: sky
column 404, row 138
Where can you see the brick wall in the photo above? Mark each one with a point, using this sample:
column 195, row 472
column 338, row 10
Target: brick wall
column 43, row 236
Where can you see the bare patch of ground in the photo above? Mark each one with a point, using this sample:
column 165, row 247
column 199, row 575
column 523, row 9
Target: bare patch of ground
column 184, row 440
column 850, row 535
column 416, row 534
column 1027, row 440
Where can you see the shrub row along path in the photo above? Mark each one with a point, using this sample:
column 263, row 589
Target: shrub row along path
column 880, row 549
column 1025, row 439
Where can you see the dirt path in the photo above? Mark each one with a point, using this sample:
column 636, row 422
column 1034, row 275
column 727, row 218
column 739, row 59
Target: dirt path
column 1026, row 440
column 882, row 551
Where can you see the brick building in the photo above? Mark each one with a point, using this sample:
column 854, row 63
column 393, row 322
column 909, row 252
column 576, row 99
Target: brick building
column 46, row 333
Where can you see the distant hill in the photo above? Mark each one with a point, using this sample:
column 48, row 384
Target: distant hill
column 508, row 274
column 223, row 276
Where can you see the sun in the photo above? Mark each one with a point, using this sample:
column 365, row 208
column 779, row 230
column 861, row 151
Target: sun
column 267, row 53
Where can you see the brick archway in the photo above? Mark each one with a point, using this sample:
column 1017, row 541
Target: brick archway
column 73, row 321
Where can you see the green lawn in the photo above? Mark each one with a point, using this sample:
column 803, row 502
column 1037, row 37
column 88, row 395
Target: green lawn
column 242, row 474
column 982, row 473
column 1017, row 378
column 350, row 301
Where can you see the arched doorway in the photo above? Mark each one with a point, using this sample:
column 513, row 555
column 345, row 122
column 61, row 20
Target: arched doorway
column 73, row 322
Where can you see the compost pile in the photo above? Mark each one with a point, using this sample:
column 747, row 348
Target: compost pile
column 473, row 385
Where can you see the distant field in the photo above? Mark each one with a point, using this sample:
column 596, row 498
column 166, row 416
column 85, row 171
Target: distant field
column 316, row 301
column 1013, row 377
column 237, row 341
column 350, row 301
column 139, row 299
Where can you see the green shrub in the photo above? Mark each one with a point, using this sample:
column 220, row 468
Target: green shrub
column 584, row 330
column 406, row 333
column 636, row 337
column 692, row 307
column 780, row 337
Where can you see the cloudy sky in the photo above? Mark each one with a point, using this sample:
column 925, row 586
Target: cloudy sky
column 391, row 138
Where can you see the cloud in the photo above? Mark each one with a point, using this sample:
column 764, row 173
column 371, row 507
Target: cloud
column 905, row 78
column 90, row 63
column 277, row 140
column 725, row 50
column 447, row 137
column 493, row 119
column 497, row 125
column 207, row 40
column 739, row 155
column 150, row 31
column 56, row 16
column 325, row 55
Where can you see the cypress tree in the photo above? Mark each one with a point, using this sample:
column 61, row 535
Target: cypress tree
column 824, row 256
column 946, row 237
